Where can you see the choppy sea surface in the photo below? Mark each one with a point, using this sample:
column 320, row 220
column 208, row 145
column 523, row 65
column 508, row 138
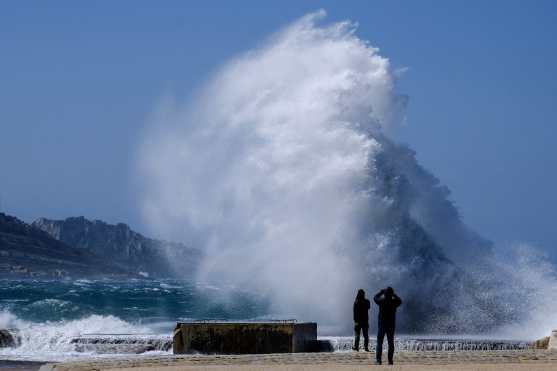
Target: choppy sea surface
column 48, row 315
column 61, row 320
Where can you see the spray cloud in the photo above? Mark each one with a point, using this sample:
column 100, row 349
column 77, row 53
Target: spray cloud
column 283, row 172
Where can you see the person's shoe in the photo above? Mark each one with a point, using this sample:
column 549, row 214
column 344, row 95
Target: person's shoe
column 367, row 350
column 355, row 349
column 391, row 363
column 377, row 362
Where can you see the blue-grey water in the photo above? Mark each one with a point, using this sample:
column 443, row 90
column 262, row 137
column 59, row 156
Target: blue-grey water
column 138, row 301
column 47, row 315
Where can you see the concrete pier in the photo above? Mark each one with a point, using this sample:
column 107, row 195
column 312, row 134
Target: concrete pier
column 244, row 337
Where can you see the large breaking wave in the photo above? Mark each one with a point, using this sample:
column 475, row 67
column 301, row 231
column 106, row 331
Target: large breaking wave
column 284, row 171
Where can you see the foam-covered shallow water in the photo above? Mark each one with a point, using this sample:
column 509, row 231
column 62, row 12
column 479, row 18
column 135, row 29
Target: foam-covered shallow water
column 413, row 343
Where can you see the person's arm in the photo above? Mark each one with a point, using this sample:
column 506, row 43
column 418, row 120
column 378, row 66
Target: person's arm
column 354, row 311
column 377, row 298
column 397, row 300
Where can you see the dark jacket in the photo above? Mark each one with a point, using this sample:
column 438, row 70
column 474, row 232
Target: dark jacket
column 361, row 308
column 387, row 307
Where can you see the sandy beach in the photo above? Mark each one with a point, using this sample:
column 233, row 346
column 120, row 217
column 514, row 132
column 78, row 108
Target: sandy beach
column 530, row 360
column 333, row 367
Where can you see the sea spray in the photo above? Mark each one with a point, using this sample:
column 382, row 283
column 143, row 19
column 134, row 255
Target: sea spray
column 283, row 171
column 53, row 340
column 269, row 170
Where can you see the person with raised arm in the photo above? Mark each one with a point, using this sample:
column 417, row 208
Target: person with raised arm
column 388, row 302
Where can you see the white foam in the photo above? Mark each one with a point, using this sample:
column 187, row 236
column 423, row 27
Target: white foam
column 273, row 169
column 51, row 341
column 267, row 171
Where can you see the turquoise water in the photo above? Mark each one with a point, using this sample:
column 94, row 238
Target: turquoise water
column 138, row 301
column 46, row 315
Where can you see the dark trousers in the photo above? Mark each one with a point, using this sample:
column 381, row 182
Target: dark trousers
column 383, row 330
column 364, row 328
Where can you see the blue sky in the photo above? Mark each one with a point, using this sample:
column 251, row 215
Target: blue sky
column 78, row 81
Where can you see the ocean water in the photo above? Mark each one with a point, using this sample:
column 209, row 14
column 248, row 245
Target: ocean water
column 135, row 318
column 48, row 315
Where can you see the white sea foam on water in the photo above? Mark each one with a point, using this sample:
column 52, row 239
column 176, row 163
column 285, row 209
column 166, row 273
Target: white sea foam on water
column 282, row 169
column 51, row 341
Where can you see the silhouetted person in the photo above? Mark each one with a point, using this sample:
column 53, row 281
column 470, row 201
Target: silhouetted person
column 361, row 320
column 387, row 301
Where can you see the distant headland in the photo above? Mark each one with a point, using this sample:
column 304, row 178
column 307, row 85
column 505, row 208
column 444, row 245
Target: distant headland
column 77, row 247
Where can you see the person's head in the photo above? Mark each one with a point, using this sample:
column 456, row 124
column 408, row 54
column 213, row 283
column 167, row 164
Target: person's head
column 361, row 294
column 389, row 292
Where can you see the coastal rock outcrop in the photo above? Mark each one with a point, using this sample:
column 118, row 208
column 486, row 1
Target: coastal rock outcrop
column 7, row 340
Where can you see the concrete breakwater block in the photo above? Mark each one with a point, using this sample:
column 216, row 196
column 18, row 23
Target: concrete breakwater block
column 244, row 337
column 542, row 343
column 121, row 343
column 552, row 343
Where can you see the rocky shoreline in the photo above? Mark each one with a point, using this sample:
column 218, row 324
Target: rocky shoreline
column 8, row 338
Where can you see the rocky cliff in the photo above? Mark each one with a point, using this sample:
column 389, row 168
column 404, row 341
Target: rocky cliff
column 123, row 246
column 26, row 251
